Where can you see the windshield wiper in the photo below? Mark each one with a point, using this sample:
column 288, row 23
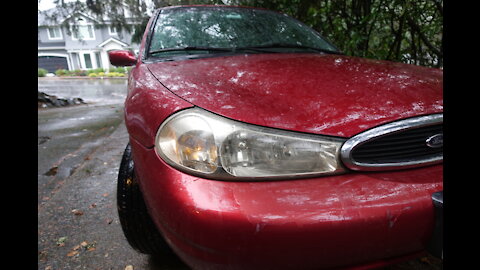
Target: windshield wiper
column 192, row 48
column 283, row 45
column 259, row 48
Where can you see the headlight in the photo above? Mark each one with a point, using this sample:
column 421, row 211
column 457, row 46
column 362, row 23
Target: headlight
column 205, row 144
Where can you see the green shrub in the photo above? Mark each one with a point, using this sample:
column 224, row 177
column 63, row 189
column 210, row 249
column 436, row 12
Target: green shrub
column 115, row 74
column 92, row 74
column 42, row 72
column 62, row 72
column 97, row 70
column 118, row 70
column 78, row 72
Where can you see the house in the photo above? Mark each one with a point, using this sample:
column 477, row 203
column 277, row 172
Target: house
column 61, row 47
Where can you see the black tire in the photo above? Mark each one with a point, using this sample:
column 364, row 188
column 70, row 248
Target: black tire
column 136, row 223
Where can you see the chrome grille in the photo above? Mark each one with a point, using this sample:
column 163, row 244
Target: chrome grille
column 399, row 147
column 401, row 144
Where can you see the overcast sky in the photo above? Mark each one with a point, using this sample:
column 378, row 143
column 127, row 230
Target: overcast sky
column 45, row 4
column 48, row 4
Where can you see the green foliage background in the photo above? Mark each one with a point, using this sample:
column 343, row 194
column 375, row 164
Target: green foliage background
column 409, row 31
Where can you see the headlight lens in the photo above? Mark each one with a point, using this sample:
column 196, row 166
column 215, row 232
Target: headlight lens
column 204, row 144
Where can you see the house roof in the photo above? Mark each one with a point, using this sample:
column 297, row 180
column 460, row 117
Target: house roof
column 50, row 17
column 56, row 16
column 77, row 14
column 121, row 43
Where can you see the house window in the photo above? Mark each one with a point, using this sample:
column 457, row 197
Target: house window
column 99, row 59
column 84, row 32
column 88, row 61
column 54, row 33
column 112, row 30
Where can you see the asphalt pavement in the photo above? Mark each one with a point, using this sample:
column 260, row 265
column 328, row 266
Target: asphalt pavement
column 79, row 152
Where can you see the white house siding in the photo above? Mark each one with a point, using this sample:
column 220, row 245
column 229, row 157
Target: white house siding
column 75, row 61
column 72, row 44
column 109, row 47
column 83, row 54
column 43, row 36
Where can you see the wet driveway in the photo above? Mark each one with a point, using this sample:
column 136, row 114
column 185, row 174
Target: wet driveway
column 79, row 151
column 93, row 91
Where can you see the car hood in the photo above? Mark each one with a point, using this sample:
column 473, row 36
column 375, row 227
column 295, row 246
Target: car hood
column 315, row 93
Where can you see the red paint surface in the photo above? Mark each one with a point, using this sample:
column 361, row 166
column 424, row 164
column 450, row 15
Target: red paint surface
column 122, row 58
column 320, row 222
column 354, row 219
column 343, row 220
column 148, row 103
column 314, row 93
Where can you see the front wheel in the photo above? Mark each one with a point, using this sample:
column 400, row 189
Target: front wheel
column 136, row 223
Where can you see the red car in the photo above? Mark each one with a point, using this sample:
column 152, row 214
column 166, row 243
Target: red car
column 255, row 144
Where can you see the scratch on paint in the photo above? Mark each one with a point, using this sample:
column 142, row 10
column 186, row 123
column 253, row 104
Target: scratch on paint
column 392, row 219
column 259, row 227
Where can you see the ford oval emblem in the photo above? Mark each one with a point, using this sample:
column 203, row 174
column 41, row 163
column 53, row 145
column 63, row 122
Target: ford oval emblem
column 435, row 141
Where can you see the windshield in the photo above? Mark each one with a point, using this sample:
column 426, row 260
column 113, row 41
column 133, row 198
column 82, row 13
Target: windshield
column 200, row 29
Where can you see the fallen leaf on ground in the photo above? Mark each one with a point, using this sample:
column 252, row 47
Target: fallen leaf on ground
column 72, row 253
column 43, row 256
column 61, row 241
column 88, row 246
column 52, row 171
column 77, row 212
column 426, row 260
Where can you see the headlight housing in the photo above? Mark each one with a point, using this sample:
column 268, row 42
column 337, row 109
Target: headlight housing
column 204, row 144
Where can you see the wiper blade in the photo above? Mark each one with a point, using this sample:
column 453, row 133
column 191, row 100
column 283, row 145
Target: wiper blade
column 259, row 48
column 295, row 46
column 191, row 48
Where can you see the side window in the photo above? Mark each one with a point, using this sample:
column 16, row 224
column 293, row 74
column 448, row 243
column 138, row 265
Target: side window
column 88, row 61
column 84, row 32
column 54, row 33
column 112, row 31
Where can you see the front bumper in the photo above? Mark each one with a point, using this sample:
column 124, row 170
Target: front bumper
column 336, row 221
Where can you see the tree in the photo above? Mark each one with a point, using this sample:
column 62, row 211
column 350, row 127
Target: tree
column 409, row 31
column 131, row 15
